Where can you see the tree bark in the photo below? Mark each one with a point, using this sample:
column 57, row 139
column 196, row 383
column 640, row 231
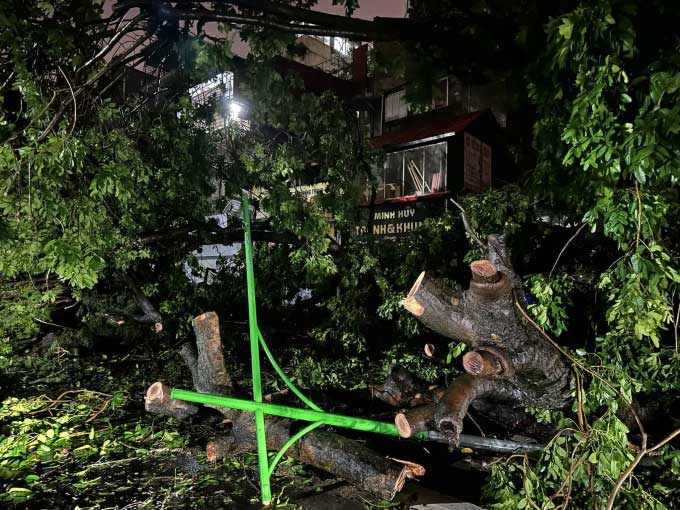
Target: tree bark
column 509, row 363
column 343, row 457
column 414, row 420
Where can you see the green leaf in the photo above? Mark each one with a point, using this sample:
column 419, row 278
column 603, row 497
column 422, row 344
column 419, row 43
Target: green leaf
column 565, row 31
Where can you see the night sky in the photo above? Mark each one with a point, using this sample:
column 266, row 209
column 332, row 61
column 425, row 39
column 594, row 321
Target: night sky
column 369, row 9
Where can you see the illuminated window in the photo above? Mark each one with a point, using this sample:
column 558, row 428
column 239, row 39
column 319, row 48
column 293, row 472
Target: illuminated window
column 420, row 171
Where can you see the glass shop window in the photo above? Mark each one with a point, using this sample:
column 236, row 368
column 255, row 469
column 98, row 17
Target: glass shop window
column 434, row 164
column 419, row 171
column 413, row 172
column 394, row 172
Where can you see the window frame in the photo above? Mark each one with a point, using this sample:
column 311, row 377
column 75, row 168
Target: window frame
column 403, row 152
column 400, row 94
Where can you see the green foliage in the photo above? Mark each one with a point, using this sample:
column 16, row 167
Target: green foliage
column 551, row 309
column 325, row 373
column 606, row 93
column 496, row 211
column 609, row 128
column 21, row 307
column 41, row 435
column 375, row 275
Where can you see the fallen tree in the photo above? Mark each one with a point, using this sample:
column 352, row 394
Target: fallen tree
column 509, row 364
column 343, row 457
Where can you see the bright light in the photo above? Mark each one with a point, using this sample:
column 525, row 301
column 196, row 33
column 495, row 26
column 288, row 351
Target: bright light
column 234, row 110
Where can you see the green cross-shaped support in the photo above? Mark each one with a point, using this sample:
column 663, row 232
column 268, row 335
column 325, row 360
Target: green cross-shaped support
column 314, row 414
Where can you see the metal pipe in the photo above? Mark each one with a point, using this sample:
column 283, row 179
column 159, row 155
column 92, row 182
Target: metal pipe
column 255, row 356
column 294, row 413
column 351, row 422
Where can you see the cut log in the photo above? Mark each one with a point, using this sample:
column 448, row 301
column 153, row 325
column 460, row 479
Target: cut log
column 412, row 421
column 451, row 409
column 219, row 447
column 510, row 362
column 343, row 457
column 439, row 309
column 340, row 456
column 430, row 351
column 210, row 366
column 488, row 361
column 157, row 401
column 484, row 271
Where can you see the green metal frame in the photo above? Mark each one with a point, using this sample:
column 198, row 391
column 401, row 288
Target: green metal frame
column 314, row 414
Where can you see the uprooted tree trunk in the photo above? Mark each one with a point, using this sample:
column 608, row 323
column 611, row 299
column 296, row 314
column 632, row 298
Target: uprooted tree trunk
column 509, row 363
column 343, row 457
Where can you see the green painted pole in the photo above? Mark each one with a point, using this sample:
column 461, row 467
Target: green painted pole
column 255, row 357
column 296, row 413
column 351, row 422
column 315, row 414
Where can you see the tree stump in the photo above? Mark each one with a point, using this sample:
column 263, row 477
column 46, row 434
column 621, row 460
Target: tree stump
column 509, row 362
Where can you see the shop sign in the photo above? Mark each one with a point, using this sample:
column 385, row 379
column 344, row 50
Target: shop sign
column 395, row 220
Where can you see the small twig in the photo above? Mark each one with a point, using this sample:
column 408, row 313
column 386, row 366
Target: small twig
column 567, row 483
column 564, row 248
column 101, row 410
column 11, row 75
column 629, row 471
column 75, row 103
column 579, row 400
column 112, row 42
column 52, row 324
column 467, row 226
column 481, row 432
column 675, row 329
column 58, row 400
column 47, row 378
column 525, row 467
column 639, row 223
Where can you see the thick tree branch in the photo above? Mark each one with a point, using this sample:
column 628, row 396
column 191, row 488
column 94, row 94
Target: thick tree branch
column 451, row 409
column 150, row 315
column 439, row 309
column 282, row 17
column 211, row 233
column 120, row 33
column 345, row 458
